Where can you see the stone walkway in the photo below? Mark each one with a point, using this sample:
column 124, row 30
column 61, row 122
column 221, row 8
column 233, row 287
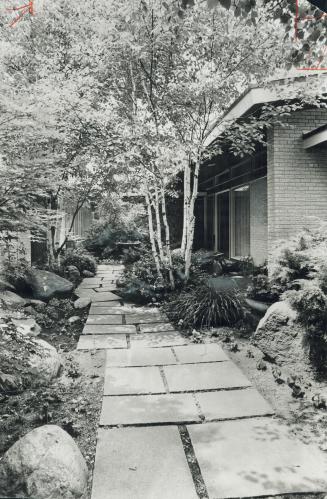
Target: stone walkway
column 179, row 420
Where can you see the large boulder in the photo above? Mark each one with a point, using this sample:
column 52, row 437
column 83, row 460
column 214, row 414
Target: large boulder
column 44, row 464
column 46, row 285
column 34, row 360
column 11, row 299
column 27, row 326
column 280, row 337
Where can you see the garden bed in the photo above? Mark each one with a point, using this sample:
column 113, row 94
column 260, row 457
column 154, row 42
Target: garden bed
column 71, row 401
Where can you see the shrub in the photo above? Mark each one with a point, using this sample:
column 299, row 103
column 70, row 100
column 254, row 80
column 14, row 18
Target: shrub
column 299, row 272
column 15, row 272
column 140, row 281
column 102, row 238
column 310, row 302
column 80, row 260
column 142, row 284
column 205, row 306
column 261, row 289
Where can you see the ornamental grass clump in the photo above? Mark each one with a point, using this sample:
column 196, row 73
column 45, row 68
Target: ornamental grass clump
column 204, row 306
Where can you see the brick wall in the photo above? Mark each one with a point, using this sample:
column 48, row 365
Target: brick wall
column 258, row 220
column 296, row 178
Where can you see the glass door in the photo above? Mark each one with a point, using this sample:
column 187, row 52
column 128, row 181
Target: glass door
column 241, row 221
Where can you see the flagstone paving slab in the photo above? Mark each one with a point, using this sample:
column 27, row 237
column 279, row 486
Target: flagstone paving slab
column 256, row 457
column 149, row 409
column 99, row 309
column 158, row 340
column 104, row 319
column 136, row 357
column 87, row 286
column 101, row 341
column 156, row 328
column 91, row 280
column 232, row 404
column 209, row 352
column 211, row 376
column 141, row 463
column 85, row 293
column 106, row 289
column 108, row 329
column 133, row 381
column 145, row 318
column 108, row 296
column 114, row 303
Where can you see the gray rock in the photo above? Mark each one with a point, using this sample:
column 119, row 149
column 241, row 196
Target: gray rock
column 36, row 362
column 44, row 464
column 73, row 319
column 87, row 273
column 46, row 285
column 45, row 363
column 11, row 299
column 280, row 337
column 10, row 384
column 27, row 326
column 82, row 302
column 36, row 303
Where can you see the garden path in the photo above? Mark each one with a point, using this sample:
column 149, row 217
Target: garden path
column 180, row 420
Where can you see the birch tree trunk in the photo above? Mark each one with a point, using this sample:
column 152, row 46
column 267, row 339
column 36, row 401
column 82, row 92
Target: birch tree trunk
column 158, row 223
column 151, row 234
column 191, row 218
column 187, row 192
column 167, row 237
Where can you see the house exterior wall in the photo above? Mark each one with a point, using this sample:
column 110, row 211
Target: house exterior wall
column 258, row 221
column 296, row 177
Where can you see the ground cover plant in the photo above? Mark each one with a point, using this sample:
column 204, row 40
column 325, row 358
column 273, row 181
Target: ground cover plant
column 205, row 306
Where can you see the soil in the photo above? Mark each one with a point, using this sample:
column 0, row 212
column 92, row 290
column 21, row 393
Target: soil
column 72, row 401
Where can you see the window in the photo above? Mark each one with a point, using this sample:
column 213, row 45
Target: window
column 240, row 225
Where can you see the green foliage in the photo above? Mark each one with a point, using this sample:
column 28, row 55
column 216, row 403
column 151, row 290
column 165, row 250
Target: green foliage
column 142, row 284
column 55, row 313
column 299, row 273
column 204, row 306
column 80, row 260
column 261, row 289
column 102, row 238
column 15, row 272
column 310, row 301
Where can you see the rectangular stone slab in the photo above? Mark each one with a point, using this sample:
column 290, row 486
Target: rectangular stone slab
column 106, row 288
column 136, row 357
column 232, row 404
column 104, row 319
column 209, row 352
column 105, row 303
column 256, row 457
column 144, row 318
column 90, row 342
column 149, row 409
column 141, row 463
column 155, row 340
column 91, row 280
column 99, row 309
column 156, row 328
column 212, row 376
column 108, row 296
column 133, row 381
column 108, row 329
